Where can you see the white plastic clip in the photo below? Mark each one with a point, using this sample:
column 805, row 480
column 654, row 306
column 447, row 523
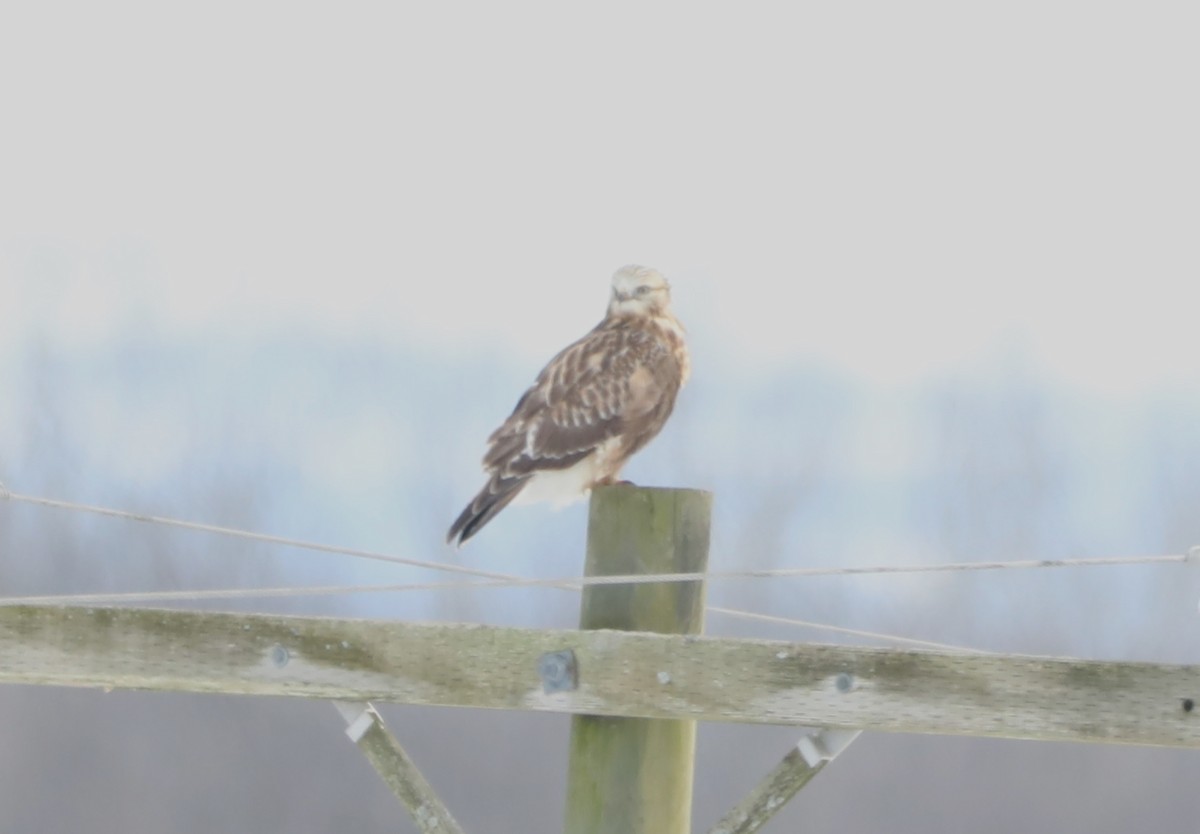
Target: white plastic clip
column 825, row 745
column 359, row 718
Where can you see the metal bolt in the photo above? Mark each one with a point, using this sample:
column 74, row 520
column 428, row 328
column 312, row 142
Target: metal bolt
column 558, row 671
column 844, row 682
column 279, row 656
column 1188, row 705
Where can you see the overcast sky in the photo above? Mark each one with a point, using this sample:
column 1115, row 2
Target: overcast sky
column 888, row 188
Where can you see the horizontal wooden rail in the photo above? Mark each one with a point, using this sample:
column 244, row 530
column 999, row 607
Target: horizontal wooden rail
column 603, row 673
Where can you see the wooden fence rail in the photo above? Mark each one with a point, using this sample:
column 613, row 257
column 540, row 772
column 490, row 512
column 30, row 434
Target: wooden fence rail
column 615, row 673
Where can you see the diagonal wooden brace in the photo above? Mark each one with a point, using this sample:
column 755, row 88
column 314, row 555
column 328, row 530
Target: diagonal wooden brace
column 799, row 766
column 365, row 728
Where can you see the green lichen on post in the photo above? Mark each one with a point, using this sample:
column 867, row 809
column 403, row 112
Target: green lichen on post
column 633, row 530
column 630, row 775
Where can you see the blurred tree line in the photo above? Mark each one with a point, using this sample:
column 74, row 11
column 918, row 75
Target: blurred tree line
column 351, row 444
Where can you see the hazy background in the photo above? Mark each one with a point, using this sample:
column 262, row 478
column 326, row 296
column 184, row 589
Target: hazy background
column 283, row 268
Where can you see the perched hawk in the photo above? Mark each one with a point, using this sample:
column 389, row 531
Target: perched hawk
column 599, row 401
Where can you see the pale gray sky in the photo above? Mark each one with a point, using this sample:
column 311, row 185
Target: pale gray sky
column 892, row 189
column 975, row 208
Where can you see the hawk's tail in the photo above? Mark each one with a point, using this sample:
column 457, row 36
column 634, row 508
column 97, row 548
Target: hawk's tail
column 497, row 494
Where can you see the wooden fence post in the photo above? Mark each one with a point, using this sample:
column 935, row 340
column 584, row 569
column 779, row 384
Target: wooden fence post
column 634, row 775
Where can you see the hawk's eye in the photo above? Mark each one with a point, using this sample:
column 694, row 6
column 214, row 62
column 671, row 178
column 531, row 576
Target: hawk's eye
column 642, row 290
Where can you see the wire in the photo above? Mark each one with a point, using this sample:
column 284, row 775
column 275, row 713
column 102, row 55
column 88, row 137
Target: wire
column 508, row 580
column 119, row 597
column 492, row 579
column 854, row 632
column 6, row 494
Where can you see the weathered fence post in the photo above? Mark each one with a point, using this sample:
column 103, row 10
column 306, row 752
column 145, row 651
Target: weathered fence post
column 634, row 775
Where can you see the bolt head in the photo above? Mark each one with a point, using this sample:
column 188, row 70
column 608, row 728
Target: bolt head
column 558, row 671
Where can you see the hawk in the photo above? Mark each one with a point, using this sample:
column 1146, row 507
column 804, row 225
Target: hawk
column 596, row 403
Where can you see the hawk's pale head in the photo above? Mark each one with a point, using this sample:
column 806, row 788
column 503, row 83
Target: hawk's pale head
column 638, row 291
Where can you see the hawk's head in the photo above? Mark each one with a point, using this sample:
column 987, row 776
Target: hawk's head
column 638, row 291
